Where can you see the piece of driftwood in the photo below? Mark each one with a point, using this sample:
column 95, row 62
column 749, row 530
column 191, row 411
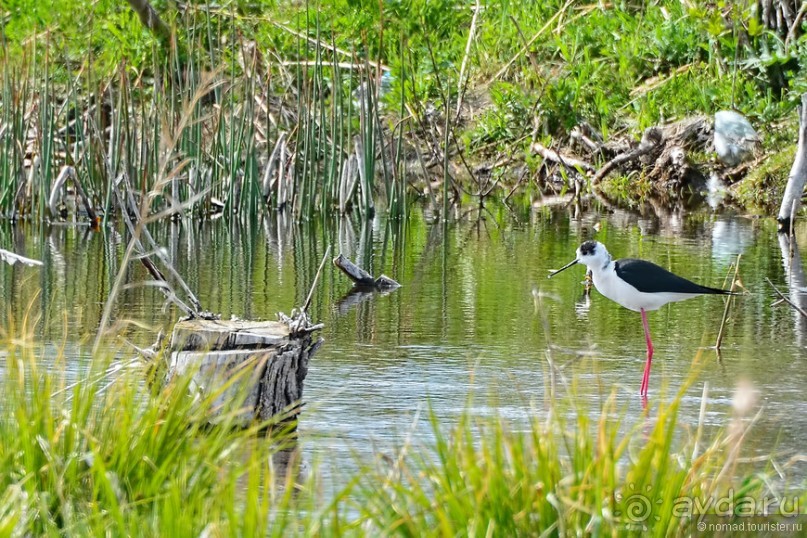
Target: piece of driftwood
column 363, row 279
column 248, row 370
column 650, row 141
column 12, row 258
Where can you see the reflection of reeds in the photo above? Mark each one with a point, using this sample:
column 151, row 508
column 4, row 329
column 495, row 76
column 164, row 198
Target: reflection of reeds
column 251, row 136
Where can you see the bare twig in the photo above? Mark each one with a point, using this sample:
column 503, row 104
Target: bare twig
column 142, row 232
column 648, row 144
column 68, row 172
column 798, row 174
column 137, row 231
column 785, row 299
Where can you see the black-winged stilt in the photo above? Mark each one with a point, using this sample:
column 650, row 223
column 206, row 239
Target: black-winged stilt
column 637, row 285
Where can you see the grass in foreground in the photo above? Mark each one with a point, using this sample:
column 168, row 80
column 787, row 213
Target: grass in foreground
column 108, row 455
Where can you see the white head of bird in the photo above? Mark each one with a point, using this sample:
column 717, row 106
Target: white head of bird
column 593, row 255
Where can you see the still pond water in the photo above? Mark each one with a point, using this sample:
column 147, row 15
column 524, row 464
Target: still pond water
column 466, row 321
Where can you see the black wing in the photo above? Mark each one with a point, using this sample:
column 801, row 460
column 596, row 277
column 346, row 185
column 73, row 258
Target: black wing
column 648, row 277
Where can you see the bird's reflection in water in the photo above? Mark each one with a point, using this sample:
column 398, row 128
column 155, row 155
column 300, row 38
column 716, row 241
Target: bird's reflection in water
column 583, row 304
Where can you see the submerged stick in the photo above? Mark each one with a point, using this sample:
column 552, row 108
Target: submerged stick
column 728, row 302
column 316, row 279
column 359, row 276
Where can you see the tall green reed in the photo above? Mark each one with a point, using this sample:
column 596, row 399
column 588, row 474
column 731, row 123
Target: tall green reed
column 239, row 139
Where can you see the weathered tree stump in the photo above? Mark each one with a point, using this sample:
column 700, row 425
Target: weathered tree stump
column 250, row 370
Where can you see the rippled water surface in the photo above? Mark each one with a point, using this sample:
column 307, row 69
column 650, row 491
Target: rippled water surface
column 476, row 316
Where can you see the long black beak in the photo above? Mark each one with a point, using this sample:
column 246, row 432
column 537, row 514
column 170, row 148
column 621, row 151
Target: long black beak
column 553, row 273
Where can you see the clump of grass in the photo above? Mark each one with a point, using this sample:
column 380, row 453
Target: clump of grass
column 107, row 454
column 565, row 476
column 763, row 187
column 111, row 454
column 199, row 135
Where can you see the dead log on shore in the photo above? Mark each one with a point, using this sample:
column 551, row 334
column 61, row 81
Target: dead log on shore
column 662, row 153
column 244, row 370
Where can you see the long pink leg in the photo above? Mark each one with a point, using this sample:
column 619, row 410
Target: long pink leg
column 646, row 375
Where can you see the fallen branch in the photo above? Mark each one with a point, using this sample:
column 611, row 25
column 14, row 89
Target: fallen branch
column 569, row 162
column 363, row 279
column 68, row 172
column 11, row 258
column 650, row 141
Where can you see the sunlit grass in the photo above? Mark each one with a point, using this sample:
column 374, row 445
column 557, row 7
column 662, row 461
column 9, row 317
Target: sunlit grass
column 95, row 449
column 107, row 453
column 561, row 476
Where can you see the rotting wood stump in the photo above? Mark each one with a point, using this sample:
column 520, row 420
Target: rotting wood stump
column 253, row 370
